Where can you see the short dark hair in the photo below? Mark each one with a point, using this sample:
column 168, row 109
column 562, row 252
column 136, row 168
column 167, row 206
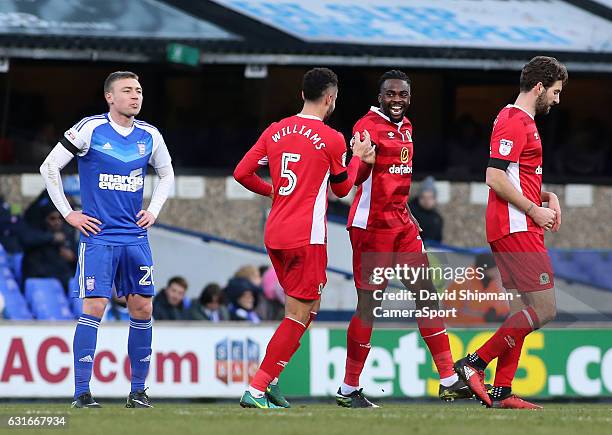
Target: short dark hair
column 543, row 69
column 178, row 280
column 317, row 81
column 117, row 75
column 211, row 291
column 393, row 74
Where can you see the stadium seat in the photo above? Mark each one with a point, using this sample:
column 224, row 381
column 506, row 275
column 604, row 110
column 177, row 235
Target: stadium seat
column 6, row 272
column 15, row 265
column 566, row 266
column 16, row 307
column 47, row 299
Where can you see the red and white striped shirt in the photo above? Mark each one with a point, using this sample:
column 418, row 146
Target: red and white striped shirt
column 303, row 155
column 515, row 138
column 380, row 202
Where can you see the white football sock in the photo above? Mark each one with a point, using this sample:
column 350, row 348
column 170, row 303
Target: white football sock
column 345, row 389
column 447, row 382
column 255, row 392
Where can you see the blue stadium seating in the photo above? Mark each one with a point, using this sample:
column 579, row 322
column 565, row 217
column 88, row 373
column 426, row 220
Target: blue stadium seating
column 16, row 307
column 15, row 265
column 47, row 299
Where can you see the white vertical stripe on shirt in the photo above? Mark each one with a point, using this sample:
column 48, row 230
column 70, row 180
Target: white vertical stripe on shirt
column 317, row 232
column 360, row 220
column 516, row 218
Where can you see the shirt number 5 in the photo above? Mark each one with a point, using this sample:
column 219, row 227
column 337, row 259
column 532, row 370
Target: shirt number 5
column 288, row 173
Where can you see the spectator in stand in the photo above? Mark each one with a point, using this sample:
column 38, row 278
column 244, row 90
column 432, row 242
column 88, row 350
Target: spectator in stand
column 169, row 303
column 272, row 304
column 243, row 292
column 242, row 306
column 423, row 208
column 49, row 249
column 210, row 305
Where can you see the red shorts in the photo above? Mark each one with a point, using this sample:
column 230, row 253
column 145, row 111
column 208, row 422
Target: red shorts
column 373, row 251
column 523, row 262
column 301, row 271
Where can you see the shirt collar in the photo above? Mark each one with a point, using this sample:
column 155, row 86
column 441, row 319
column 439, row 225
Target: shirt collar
column 309, row 116
column 123, row 131
column 520, row 108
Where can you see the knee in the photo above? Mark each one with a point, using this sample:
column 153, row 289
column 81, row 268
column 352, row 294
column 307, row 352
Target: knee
column 94, row 307
column 301, row 316
column 546, row 313
column 141, row 308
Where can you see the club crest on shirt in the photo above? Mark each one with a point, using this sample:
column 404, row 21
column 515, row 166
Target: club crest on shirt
column 505, row 146
column 544, row 278
column 141, row 148
column 90, row 283
column 405, row 155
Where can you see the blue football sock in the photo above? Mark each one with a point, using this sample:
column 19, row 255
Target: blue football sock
column 139, row 350
column 84, row 349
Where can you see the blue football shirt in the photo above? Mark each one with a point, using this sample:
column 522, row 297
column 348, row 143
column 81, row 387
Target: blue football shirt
column 112, row 163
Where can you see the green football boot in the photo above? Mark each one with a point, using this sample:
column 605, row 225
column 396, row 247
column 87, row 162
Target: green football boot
column 248, row 401
column 276, row 397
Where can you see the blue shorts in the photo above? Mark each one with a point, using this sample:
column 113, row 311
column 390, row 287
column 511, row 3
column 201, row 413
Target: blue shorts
column 129, row 267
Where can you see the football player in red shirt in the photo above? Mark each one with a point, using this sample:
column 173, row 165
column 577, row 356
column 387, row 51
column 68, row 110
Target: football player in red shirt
column 516, row 220
column 384, row 233
column 305, row 157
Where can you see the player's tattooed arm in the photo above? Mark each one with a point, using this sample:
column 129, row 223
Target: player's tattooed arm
column 498, row 180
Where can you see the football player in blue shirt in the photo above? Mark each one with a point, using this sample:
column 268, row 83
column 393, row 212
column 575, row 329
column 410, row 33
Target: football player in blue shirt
column 113, row 151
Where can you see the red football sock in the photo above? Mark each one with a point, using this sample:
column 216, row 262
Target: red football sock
column 514, row 329
column 507, row 364
column 357, row 349
column 281, row 348
column 435, row 337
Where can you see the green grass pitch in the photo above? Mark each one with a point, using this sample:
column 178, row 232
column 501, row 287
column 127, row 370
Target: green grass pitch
column 318, row 418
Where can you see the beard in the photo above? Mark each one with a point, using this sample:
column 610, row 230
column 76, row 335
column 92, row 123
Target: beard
column 541, row 107
column 329, row 112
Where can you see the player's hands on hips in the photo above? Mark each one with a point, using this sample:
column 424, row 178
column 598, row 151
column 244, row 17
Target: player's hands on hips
column 553, row 204
column 543, row 217
column 146, row 219
column 363, row 148
column 85, row 224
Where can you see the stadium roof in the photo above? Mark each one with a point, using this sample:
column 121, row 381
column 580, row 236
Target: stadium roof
column 484, row 34
column 136, row 30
